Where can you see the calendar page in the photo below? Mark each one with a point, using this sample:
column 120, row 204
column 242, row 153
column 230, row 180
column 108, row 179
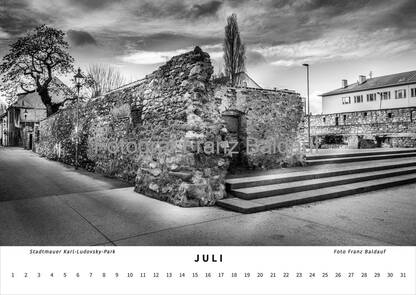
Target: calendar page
column 207, row 147
column 208, row 270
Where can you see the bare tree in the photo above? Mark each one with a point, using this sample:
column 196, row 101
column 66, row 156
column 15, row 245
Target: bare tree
column 234, row 51
column 101, row 79
column 32, row 63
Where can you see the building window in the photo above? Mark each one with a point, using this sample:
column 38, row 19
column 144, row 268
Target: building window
column 365, row 114
column 346, row 100
column 324, row 119
column 371, row 97
column 344, row 118
column 336, row 121
column 400, row 94
column 413, row 92
column 389, row 115
column 385, row 95
column 358, row 99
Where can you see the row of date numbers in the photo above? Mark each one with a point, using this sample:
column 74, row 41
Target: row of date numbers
column 156, row 275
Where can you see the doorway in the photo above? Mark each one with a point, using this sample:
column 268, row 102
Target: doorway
column 30, row 141
column 235, row 124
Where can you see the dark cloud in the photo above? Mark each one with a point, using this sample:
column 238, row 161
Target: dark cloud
column 263, row 23
column 281, row 29
column 91, row 4
column 16, row 17
column 179, row 10
column 404, row 16
column 235, row 3
column 164, row 9
column 166, row 41
column 255, row 58
column 80, row 38
column 332, row 7
column 277, row 4
column 294, row 21
column 13, row 4
column 401, row 18
column 206, row 9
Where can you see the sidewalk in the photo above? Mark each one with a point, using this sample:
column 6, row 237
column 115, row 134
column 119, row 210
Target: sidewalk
column 119, row 216
column 123, row 217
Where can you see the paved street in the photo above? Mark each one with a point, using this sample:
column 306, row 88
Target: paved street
column 48, row 203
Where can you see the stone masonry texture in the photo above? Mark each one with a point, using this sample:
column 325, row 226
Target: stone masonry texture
column 391, row 127
column 164, row 133
column 272, row 125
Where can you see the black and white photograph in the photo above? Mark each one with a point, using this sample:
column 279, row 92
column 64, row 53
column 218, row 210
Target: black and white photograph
column 208, row 123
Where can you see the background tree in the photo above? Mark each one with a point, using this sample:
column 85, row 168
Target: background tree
column 101, row 79
column 9, row 91
column 234, row 51
column 33, row 61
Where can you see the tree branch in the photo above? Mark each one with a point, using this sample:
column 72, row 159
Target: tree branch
column 49, row 79
column 37, row 82
column 34, row 67
column 26, row 90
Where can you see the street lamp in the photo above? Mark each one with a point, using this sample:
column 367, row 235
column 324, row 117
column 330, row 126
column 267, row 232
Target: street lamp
column 25, row 130
column 78, row 83
column 309, row 114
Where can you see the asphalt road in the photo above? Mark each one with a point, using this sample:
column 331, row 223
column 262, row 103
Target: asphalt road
column 48, row 203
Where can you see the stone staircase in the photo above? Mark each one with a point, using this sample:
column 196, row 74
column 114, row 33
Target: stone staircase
column 325, row 177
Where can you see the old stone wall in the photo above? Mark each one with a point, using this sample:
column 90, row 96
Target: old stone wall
column 99, row 129
column 271, row 125
column 166, row 134
column 150, row 133
column 387, row 127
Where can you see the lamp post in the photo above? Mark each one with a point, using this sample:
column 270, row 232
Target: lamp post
column 78, row 81
column 25, row 130
column 309, row 114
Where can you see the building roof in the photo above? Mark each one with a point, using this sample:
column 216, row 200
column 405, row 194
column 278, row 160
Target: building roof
column 377, row 82
column 29, row 101
column 249, row 82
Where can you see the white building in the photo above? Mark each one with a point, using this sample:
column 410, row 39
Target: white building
column 385, row 92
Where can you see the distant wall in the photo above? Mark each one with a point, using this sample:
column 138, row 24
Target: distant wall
column 391, row 127
column 165, row 133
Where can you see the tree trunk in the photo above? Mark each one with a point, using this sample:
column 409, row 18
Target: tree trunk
column 47, row 101
column 49, row 110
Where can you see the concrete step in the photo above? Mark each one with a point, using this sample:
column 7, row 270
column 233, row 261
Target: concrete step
column 347, row 154
column 305, row 174
column 309, row 196
column 256, row 192
column 358, row 158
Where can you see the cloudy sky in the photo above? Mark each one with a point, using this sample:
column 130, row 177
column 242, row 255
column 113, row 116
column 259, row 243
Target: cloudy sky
column 338, row 38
